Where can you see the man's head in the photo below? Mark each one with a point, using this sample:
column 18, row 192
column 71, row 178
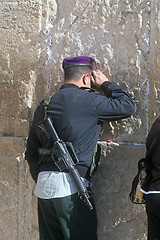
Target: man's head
column 78, row 70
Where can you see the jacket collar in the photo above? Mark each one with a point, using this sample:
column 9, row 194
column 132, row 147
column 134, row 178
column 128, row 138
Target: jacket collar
column 71, row 85
column 68, row 85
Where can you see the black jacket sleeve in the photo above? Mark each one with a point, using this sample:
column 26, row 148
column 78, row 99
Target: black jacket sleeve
column 34, row 142
column 31, row 153
column 116, row 104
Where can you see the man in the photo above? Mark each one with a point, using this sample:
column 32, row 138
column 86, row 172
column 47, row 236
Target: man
column 77, row 113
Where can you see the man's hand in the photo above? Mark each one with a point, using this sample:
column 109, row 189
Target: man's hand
column 98, row 78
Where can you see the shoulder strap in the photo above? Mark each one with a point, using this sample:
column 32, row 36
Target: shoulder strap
column 153, row 146
column 46, row 102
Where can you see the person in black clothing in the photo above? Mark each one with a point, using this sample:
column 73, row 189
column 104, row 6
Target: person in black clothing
column 78, row 113
column 151, row 186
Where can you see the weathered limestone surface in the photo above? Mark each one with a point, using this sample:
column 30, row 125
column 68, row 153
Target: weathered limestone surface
column 154, row 56
column 118, row 217
column 18, row 214
column 123, row 36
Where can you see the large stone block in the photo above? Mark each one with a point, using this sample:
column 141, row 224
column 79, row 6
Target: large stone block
column 17, row 204
column 23, row 77
column 118, row 218
column 115, row 34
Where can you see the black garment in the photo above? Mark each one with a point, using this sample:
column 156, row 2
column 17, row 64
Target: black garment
column 153, row 214
column 77, row 116
column 152, row 182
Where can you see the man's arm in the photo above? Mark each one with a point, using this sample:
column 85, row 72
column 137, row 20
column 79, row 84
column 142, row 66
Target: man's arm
column 31, row 153
column 116, row 104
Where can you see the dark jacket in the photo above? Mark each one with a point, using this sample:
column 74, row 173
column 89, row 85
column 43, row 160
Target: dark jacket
column 152, row 182
column 77, row 116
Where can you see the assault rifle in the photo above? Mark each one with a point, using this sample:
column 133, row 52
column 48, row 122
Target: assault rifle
column 64, row 157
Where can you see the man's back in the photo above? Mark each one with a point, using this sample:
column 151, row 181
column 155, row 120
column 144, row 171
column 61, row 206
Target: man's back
column 78, row 115
column 75, row 120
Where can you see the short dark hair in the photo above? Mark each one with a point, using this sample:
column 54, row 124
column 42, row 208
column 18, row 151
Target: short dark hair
column 76, row 72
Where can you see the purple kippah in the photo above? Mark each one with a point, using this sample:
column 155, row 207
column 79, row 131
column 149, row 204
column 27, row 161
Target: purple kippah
column 78, row 61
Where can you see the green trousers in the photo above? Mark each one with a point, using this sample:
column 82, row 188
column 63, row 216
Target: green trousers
column 67, row 218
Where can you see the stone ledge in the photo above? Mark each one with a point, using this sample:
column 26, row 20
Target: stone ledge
column 11, row 126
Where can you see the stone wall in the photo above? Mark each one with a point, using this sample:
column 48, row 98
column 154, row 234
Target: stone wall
column 123, row 36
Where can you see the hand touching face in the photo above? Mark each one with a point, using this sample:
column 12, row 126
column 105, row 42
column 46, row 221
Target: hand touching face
column 98, row 78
